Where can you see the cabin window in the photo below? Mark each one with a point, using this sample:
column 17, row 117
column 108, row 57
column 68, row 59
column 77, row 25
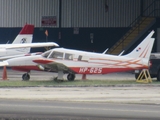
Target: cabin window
column 68, row 56
column 79, row 57
column 57, row 55
column 83, row 58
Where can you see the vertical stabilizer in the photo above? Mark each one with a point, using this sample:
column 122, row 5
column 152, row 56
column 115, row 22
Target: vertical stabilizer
column 143, row 50
column 25, row 36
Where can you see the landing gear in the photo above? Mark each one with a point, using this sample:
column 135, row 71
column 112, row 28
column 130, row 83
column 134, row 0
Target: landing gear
column 136, row 75
column 25, row 77
column 71, row 77
column 158, row 76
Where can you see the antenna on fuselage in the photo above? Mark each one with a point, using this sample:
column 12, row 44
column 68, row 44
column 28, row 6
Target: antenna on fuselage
column 105, row 51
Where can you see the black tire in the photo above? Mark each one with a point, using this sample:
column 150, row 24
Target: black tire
column 158, row 76
column 26, row 77
column 70, row 77
column 136, row 75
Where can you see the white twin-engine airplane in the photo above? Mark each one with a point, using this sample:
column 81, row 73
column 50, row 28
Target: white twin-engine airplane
column 73, row 62
column 22, row 44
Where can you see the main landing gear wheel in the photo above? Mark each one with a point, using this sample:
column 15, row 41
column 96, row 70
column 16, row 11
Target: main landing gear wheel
column 25, row 77
column 136, row 75
column 71, row 77
column 158, row 76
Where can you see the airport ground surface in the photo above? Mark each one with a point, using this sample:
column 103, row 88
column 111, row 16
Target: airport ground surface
column 130, row 93
column 66, row 102
column 40, row 75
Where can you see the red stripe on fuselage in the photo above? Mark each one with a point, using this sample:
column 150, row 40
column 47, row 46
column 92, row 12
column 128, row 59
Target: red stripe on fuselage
column 25, row 68
column 143, row 54
column 94, row 70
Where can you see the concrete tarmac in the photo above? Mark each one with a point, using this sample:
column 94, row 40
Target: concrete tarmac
column 148, row 94
column 41, row 75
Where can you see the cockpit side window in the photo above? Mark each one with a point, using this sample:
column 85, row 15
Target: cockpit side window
column 68, row 56
column 57, row 55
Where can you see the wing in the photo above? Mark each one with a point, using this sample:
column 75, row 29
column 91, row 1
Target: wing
column 51, row 65
column 45, row 44
column 4, row 63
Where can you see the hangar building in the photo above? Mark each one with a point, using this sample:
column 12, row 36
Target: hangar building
column 91, row 25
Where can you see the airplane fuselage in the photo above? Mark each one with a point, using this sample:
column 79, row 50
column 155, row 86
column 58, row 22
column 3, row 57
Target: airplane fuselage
column 79, row 62
column 89, row 62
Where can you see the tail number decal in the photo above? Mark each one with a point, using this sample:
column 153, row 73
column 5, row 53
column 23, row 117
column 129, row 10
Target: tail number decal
column 90, row 70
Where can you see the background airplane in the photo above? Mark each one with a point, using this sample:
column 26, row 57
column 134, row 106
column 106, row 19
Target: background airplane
column 73, row 62
column 21, row 44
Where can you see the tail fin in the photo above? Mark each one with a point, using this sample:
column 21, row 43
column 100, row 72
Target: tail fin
column 25, row 36
column 143, row 50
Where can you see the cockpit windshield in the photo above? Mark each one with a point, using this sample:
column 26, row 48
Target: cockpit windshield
column 57, row 55
column 46, row 54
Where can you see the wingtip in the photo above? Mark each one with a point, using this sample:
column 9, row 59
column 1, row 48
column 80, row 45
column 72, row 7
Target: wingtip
column 56, row 45
column 53, row 43
column 153, row 31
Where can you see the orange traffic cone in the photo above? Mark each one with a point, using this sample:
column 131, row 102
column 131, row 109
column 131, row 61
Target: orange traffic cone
column 84, row 77
column 4, row 73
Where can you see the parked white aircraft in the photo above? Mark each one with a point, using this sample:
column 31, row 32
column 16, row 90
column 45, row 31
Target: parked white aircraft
column 73, row 62
column 21, row 44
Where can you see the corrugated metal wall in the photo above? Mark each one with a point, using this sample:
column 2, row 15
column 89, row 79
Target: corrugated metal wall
column 94, row 13
column 15, row 13
column 75, row 13
column 157, row 8
column 151, row 8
